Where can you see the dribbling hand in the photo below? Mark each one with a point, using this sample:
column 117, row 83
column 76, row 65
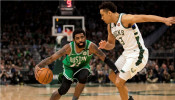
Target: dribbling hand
column 37, row 68
column 102, row 44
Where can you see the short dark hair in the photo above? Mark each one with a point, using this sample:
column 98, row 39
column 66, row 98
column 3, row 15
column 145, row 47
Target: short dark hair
column 108, row 6
column 78, row 31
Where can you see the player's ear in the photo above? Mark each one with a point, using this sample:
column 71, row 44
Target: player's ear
column 109, row 13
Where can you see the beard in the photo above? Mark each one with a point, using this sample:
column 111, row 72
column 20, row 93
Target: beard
column 80, row 46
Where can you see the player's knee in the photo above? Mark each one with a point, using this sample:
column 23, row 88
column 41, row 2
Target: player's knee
column 64, row 87
column 119, row 83
column 82, row 78
column 62, row 91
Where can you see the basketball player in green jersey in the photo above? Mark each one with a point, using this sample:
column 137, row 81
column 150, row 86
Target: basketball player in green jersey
column 122, row 27
column 76, row 64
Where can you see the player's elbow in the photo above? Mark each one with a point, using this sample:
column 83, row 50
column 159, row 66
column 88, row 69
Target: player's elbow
column 111, row 47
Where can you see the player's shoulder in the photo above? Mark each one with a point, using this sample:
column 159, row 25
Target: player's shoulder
column 88, row 41
column 126, row 20
column 92, row 45
column 67, row 46
column 126, row 16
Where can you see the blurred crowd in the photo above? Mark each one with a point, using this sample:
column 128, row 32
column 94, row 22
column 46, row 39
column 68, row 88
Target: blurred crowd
column 26, row 39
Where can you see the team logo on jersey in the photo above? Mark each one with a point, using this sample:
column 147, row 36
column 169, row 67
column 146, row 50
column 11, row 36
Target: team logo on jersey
column 84, row 53
column 118, row 33
column 133, row 70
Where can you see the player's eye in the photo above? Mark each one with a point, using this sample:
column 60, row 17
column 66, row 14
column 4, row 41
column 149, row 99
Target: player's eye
column 82, row 37
column 77, row 38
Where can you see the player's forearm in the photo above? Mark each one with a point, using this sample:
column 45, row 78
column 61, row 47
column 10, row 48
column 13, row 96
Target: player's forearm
column 148, row 18
column 45, row 62
column 111, row 65
column 55, row 56
column 109, row 46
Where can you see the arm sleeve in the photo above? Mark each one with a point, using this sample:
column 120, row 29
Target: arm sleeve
column 111, row 65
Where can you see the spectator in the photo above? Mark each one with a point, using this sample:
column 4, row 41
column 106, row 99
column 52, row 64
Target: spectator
column 166, row 76
column 150, row 77
column 106, row 74
column 172, row 73
column 142, row 74
column 4, row 78
column 17, row 78
column 100, row 73
column 157, row 73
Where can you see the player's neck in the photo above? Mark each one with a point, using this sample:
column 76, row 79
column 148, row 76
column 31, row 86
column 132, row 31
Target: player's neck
column 78, row 50
column 115, row 18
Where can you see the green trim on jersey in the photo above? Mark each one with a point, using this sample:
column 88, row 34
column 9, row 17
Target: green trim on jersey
column 118, row 18
column 70, row 72
column 122, row 71
column 117, row 22
column 121, row 21
column 78, row 60
column 135, row 33
column 139, row 61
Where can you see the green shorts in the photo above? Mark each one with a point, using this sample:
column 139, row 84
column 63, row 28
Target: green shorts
column 70, row 72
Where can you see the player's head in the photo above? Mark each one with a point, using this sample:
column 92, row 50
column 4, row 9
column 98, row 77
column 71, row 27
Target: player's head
column 79, row 37
column 106, row 11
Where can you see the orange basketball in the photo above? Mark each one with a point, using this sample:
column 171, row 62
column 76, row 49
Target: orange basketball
column 45, row 75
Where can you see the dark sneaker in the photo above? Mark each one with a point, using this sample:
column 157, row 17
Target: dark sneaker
column 130, row 98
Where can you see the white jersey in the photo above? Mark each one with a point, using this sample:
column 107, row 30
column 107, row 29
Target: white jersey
column 130, row 39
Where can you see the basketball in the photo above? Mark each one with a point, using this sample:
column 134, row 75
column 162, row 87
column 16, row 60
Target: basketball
column 45, row 75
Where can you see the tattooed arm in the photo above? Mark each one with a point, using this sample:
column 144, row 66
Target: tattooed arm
column 58, row 54
column 94, row 49
column 63, row 51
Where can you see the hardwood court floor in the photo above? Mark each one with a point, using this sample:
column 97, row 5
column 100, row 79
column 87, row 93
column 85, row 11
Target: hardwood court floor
column 91, row 92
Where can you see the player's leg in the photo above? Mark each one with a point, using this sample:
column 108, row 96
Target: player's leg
column 119, row 64
column 112, row 76
column 78, row 90
column 119, row 82
column 129, row 70
column 82, row 77
column 66, row 83
column 124, row 75
column 55, row 96
column 62, row 90
column 123, row 90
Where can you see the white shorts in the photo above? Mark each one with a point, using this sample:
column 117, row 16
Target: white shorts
column 128, row 65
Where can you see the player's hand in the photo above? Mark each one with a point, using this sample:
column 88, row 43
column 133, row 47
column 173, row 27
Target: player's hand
column 169, row 21
column 37, row 68
column 102, row 44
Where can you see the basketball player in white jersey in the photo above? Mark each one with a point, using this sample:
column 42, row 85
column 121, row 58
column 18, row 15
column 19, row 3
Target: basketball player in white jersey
column 122, row 27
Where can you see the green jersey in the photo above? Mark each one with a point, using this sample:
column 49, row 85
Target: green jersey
column 78, row 60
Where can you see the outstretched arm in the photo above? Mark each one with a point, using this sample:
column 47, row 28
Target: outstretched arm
column 98, row 52
column 58, row 54
column 131, row 19
column 63, row 51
